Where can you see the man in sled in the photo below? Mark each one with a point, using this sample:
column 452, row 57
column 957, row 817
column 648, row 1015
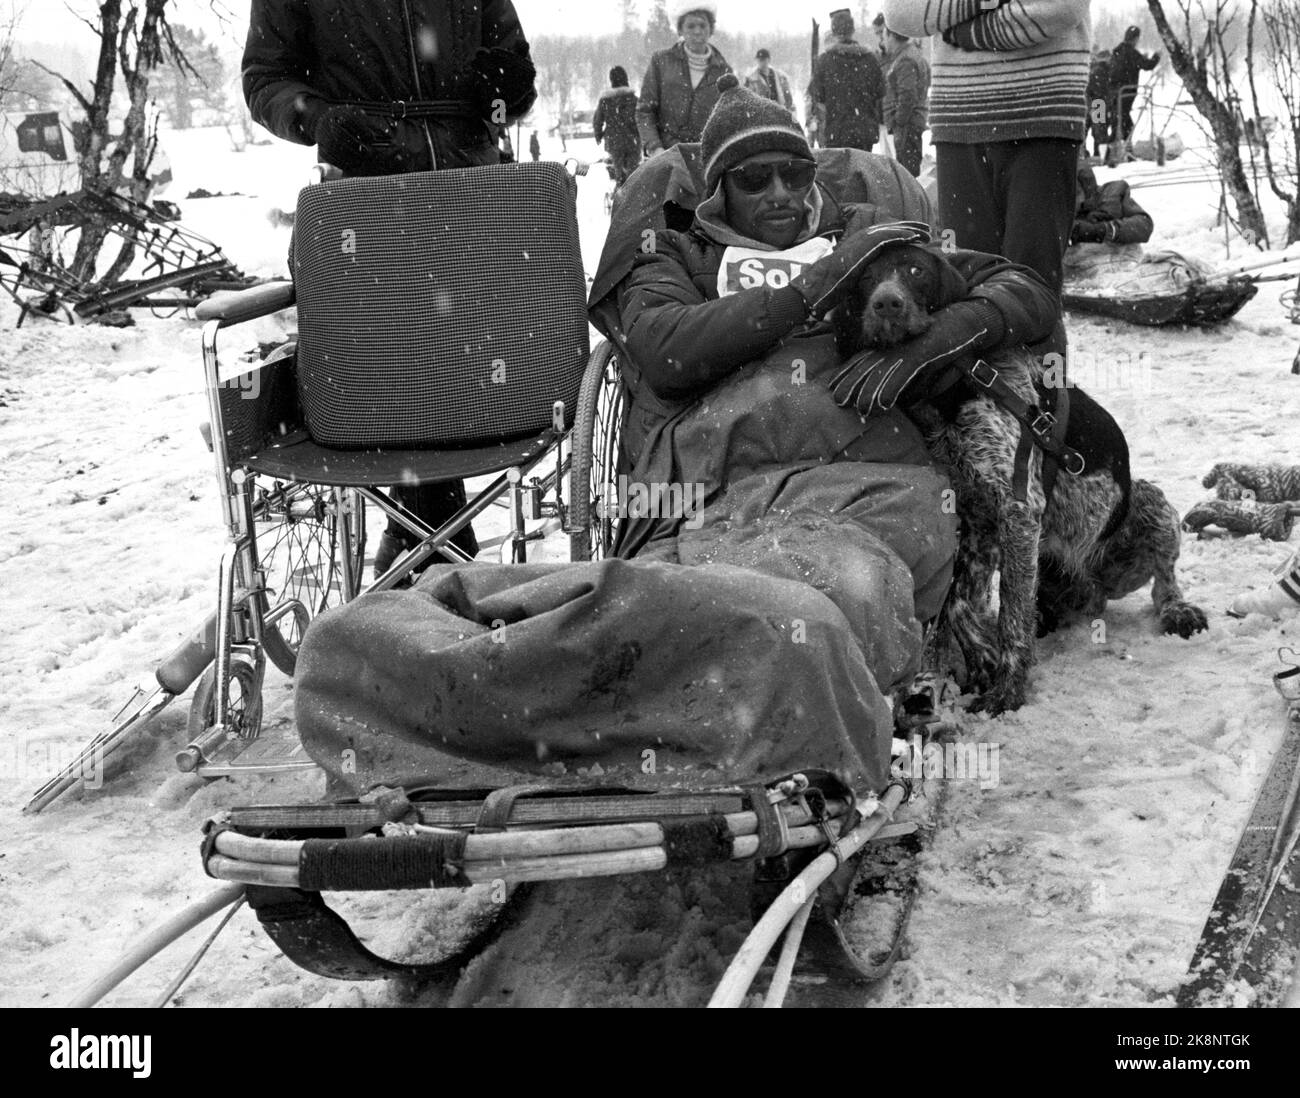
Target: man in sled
column 756, row 629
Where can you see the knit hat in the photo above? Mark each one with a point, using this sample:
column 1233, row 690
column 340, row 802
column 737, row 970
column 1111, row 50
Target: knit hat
column 618, row 77
column 743, row 124
column 681, row 11
column 1132, row 33
column 842, row 22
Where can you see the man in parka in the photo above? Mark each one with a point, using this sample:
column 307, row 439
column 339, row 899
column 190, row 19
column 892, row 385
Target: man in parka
column 847, row 90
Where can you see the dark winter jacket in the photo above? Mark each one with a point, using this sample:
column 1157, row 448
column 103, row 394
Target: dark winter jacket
column 1099, row 82
column 615, row 121
column 302, row 56
column 1108, row 214
column 907, row 90
column 670, row 110
column 849, row 86
column 684, row 338
column 1127, row 63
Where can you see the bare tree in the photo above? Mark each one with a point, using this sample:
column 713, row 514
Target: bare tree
column 1204, row 56
column 133, row 46
column 1281, row 24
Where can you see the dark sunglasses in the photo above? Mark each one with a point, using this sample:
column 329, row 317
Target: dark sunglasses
column 753, row 178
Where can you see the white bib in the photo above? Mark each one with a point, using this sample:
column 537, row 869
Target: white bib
column 750, row 269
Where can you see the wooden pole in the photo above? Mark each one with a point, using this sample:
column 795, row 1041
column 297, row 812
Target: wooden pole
column 155, row 941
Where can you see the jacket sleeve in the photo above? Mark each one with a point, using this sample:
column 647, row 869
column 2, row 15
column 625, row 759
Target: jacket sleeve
column 683, row 343
column 502, row 30
column 1010, row 26
column 1029, row 308
column 598, row 120
column 276, row 70
column 1135, row 226
column 647, row 108
column 1148, row 63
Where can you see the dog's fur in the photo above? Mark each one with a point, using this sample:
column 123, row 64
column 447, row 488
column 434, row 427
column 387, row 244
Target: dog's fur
column 1101, row 536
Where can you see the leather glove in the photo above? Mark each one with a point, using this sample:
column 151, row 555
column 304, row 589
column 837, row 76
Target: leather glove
column 873, row 381
column 500, row 78
column 826, row 283
column 358, row 143
column 1088, row 232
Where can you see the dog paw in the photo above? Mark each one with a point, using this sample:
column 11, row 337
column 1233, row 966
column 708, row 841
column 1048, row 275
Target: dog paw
column 1184, row 619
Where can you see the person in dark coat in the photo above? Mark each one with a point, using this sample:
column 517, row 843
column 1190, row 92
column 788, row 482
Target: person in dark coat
column 1127, row 64
column 847, row 91
column 1107, row 214
column 615, row 125
column 534, row 148
column 1100, row 103
column 383, row 87
column 681, row 83
column 907, row 98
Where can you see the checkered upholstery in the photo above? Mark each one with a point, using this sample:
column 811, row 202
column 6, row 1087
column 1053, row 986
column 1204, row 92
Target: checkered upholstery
column 438, row 309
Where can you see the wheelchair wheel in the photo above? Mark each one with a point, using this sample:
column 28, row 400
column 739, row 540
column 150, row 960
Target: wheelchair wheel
column 593, row 476
column 311, row 542
column 244, row 708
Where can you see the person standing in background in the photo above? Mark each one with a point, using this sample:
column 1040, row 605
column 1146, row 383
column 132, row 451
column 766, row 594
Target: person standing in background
column 680, row 87
column 1127, row 64
column 907, row 95
column 1101, row 103
column 388, row 101
column 769, row 82
column 1008, row 112
column 615, row 125
column 847, row 91
column 534, row 148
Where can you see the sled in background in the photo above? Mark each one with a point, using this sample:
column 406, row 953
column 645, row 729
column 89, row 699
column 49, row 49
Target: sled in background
column 174, row 268
column 1152, row 288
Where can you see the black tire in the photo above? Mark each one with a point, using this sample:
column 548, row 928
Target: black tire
column 245, row 694
column 593, row 475
column 311, row 543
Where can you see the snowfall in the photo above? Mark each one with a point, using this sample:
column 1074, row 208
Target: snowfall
column 1078, row 873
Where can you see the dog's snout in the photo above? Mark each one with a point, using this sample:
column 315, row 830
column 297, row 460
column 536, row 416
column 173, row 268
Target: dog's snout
column 887, row 302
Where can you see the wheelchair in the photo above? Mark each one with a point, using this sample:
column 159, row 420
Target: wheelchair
column 302, row 439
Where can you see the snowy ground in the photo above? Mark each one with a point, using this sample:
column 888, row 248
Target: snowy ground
column 1082, row 877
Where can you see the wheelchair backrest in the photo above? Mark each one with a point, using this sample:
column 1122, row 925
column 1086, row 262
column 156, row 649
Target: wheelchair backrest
column 438, row 309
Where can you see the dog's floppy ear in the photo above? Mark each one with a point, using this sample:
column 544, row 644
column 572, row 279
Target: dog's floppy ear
column 949, row 283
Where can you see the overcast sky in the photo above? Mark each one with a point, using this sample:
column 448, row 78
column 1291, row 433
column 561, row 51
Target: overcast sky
column 51, row 20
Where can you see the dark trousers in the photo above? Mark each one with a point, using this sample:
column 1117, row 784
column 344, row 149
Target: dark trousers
column 435, row 504
column 1124, row 116
column 1011, row 198
column 907, row 147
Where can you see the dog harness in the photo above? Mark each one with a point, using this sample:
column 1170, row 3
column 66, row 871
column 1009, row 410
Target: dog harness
column 1038, row 427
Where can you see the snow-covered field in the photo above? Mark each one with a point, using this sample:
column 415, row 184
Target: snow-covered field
column 1081, row 877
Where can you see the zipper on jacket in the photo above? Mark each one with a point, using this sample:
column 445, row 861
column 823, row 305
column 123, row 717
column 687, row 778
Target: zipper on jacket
column 415, row 75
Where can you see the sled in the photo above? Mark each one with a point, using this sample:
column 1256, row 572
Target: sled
column 1201, row 304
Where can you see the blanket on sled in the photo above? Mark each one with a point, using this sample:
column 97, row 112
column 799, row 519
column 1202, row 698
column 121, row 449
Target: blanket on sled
column 755, row 637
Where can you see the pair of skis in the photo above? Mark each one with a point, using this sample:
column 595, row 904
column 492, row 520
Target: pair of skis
column 1252, row 936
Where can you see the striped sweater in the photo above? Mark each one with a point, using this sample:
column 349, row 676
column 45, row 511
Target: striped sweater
column 1003, row 70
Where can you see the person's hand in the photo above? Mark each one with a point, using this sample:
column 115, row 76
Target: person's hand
column 828, row 281
column 500, row 79
column 1088, row 232
column 358, row 143
column 873, row 381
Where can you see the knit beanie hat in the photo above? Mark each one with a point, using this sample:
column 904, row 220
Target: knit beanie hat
column 706, row 9
column 842, row 23
column 743, row 124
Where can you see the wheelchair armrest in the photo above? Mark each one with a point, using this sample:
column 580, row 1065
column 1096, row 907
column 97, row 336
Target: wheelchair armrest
column 237, row 306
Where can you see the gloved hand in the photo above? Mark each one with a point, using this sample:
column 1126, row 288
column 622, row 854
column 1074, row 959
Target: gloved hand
column 1088, row 232
column 358, row 143
column 500, row 80
column 826, row 283
column 873, row 381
